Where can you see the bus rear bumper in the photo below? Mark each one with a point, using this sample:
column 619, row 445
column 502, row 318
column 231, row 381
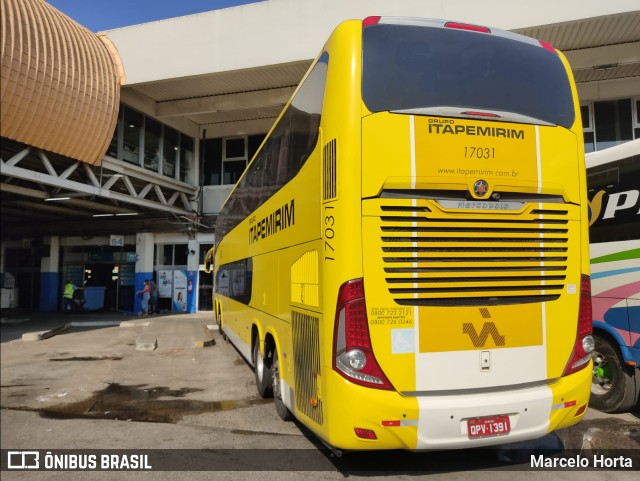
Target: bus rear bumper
column 432, row 421
column 444, row 421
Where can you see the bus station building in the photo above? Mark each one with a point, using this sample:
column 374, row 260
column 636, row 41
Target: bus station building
column 118, row 148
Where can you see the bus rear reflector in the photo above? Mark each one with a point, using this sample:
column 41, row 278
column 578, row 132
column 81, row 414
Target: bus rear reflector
column 584, row 343
column 467, row 26
column 353, row 356
column 365, row 433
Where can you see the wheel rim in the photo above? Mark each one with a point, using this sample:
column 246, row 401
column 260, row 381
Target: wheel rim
column 259, row 363
column 276, row 380
column 602, row 377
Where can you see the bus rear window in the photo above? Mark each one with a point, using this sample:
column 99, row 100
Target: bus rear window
column 412, row 67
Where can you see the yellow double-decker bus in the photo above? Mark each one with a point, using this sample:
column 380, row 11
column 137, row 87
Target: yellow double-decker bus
column 405, row 260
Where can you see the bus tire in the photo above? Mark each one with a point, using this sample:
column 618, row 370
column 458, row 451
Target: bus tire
column 281, row 407
column 222, row 334
column 219, row 321
column 613, row 387
column 262, row 371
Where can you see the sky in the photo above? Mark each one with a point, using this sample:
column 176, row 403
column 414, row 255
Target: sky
column 97, row 15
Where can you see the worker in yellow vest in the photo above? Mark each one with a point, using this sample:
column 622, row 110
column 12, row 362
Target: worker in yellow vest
column 67, row 296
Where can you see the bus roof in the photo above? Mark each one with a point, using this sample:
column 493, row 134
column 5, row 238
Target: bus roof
column 449, row 24
column 617, row 152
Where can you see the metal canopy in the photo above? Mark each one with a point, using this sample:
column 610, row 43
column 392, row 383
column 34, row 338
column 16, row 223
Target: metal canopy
column 47, row 194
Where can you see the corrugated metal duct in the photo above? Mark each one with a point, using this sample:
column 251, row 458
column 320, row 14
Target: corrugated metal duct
column 60, row 88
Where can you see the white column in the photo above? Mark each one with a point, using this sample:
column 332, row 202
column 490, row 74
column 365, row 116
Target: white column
column 144, row 252
column 50, row 288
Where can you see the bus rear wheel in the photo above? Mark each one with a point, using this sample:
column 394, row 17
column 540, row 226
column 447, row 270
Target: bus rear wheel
column 613, row 387
column 219, row 321
column 262, row 371
column 281, row 407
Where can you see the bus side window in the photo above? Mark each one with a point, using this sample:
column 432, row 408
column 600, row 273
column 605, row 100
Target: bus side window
column 603, row 179
column 306, row 110
column 613, row 200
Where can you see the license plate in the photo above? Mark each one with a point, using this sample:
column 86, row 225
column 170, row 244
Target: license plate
column 488, row 426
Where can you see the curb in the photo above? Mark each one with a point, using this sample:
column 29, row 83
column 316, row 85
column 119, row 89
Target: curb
column 142, row 344
column 94, row 324
column 134, row 323
column 8, row 320
column 210, row 341
column 40, row 335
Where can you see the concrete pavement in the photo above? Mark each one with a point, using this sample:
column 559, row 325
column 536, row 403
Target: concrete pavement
column 161, row 331
column 173, row 332
column 172, row 362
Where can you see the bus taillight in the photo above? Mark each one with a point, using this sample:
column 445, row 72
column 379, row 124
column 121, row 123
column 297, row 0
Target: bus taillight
column 467, row 26
column 548, row 46
column 353, row 356
column 373, row 20
column 478, row 113
column 584, row 344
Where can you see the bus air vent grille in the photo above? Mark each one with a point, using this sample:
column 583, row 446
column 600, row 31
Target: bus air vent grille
column 329, row 170
column 434, row 257
column 306, row 355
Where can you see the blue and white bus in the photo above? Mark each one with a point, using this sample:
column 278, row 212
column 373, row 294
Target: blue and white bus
column 613, row 178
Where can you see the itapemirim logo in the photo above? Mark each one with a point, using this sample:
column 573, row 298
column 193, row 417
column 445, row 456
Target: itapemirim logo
column 488, row 329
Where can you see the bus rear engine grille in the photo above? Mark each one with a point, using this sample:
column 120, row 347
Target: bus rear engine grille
column 483, row 259
column 306, row 356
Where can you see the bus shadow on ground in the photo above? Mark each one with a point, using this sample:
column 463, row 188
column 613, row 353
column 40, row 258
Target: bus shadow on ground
column 610, row 437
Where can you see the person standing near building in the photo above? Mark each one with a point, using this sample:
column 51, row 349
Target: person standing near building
column 145, row 294
column 67, row 296
column 153, row 299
